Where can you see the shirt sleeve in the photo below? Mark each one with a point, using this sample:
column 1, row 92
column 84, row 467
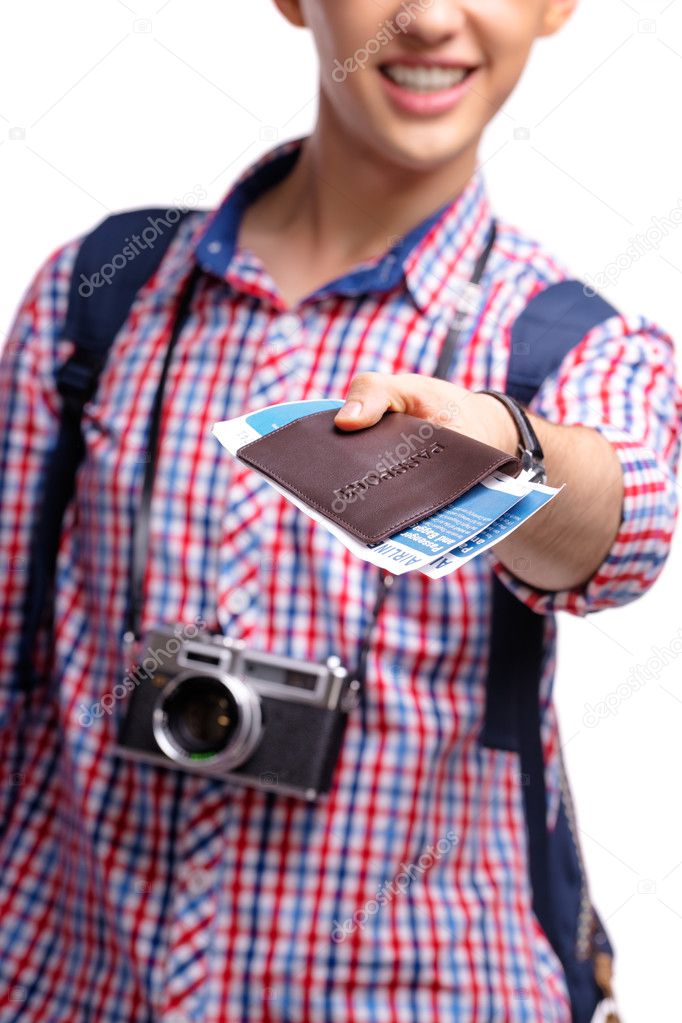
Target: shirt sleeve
column 29, row 421
column 619, row 380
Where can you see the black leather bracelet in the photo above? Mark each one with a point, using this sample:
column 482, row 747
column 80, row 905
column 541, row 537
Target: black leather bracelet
column 530, row 449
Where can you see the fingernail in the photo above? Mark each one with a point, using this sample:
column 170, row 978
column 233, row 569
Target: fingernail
column 352, row 409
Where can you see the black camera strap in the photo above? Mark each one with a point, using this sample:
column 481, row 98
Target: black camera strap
column 140, row 544
column 140, row 548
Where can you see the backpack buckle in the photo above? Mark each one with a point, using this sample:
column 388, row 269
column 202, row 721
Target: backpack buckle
column 77, row 378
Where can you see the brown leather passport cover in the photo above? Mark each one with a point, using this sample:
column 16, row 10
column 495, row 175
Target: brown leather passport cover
column 377, row 481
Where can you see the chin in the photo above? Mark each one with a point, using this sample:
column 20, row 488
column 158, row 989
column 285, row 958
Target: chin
column 424, row 149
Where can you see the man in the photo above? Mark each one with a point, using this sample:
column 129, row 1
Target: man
column 130, row 892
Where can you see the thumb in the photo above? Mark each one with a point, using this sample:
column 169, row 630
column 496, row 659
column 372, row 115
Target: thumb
column 369, row 396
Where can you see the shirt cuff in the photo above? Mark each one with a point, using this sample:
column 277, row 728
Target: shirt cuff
column 639, row 550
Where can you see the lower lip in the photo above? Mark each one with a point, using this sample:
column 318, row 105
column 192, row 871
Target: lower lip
column 426, row 102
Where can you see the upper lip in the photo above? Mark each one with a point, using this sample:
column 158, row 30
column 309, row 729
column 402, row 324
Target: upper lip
column 427, row 62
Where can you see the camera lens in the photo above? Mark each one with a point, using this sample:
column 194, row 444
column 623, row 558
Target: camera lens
column 207, row 720
column 201, row 716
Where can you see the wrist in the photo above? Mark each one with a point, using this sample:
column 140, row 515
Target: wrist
column 504, row 432
column 529, row 448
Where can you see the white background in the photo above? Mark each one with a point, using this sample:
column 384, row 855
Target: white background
column 111, row 117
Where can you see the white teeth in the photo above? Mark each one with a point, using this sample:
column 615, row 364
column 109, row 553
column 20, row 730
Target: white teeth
column 423, row 79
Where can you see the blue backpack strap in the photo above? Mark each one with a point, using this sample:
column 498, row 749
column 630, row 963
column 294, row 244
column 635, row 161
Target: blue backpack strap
column 554, row 321
column 550, row 326
column 109, row 270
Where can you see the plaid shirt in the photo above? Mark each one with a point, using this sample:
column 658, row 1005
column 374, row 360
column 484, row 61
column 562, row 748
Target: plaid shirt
column 130, row 892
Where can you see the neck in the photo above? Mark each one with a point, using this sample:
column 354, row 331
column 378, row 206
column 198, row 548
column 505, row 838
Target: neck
column 343, row 198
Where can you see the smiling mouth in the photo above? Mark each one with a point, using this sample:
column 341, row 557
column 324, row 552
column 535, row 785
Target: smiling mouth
column 419, row 78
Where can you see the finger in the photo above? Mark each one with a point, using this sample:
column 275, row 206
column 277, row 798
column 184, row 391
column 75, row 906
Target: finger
column 369, row 396
column 422, row 396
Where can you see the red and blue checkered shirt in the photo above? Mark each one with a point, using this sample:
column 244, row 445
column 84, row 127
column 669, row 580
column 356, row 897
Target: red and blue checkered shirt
column 131, row 892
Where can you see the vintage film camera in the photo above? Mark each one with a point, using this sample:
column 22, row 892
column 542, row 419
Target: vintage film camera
column 211, row 706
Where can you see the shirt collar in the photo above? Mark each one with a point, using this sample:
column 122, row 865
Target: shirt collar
column 434, row 260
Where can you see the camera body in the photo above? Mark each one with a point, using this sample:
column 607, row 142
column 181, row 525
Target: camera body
column 212, row 707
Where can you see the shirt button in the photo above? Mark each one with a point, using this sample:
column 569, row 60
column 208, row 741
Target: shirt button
column 289, row 324
column 199, row 881
column 237, row 601
column 214, row 247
